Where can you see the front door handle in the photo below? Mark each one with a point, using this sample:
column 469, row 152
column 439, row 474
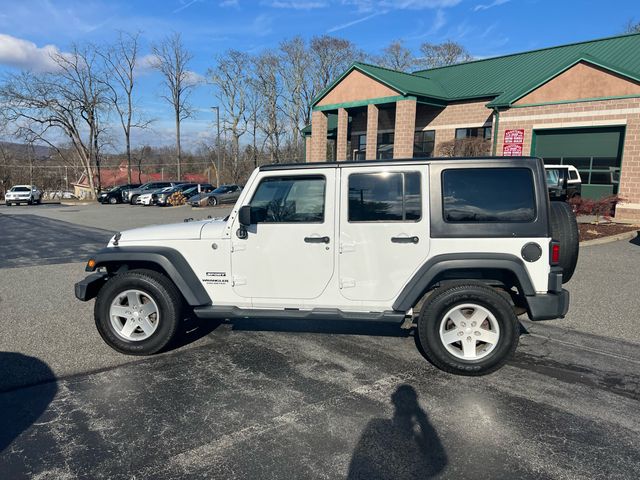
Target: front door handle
column 405, row 239
column 316, row 239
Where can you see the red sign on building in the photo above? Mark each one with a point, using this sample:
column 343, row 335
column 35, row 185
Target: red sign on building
column 514, row 136
column 512, row 150
column 513, row 140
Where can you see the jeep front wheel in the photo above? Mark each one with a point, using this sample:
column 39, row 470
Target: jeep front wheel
column 468, row 329
column 138, row 312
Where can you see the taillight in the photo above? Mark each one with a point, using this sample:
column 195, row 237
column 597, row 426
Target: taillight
column 555, row 253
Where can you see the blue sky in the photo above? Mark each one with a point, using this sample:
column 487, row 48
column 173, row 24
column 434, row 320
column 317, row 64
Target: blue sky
column 29, row 29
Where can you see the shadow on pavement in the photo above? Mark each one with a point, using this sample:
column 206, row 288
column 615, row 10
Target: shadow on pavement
column 19, row 409
column 342, row 327
column 192, row 330
column 404, row 446
column 636, row 240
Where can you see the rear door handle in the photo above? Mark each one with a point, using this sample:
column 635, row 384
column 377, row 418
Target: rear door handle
column 316, row 239
column 405, row 239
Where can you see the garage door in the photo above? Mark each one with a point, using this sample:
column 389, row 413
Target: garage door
column 595, row 152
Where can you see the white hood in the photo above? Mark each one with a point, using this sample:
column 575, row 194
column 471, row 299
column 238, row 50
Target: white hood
column 173, row 231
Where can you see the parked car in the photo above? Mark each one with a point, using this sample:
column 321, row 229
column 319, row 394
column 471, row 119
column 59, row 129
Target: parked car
column 130, row 195
column 160, row 197
column 147, row 199
column 200, row 189
column 18, row 194
column 115, row 194
column 563, row 181
column 222, row 194
column 473, row 242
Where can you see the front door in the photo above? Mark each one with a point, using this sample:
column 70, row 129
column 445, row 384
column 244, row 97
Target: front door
column 289, row 252
column 384, row 233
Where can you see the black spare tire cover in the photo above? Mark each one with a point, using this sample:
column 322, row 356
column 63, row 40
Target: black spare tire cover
column 564, row 229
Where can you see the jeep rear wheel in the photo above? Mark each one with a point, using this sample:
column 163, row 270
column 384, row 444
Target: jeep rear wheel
column 468, row 329
column 138, row 312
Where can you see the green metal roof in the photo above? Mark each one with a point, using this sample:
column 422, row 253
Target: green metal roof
column 510, row 77
column 505, row 79
column 404, row 83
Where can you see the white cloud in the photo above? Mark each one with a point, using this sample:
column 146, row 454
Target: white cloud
column 342, row 26
column 229, row 3
column 20, row 53
column 419, row 4
column 184, row 4
column 295, row 5
column 487, row 6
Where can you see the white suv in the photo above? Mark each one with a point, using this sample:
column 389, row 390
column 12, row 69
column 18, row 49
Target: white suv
column 470, row 243
column 23, row 194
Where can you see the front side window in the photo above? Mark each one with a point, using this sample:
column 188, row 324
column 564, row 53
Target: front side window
column 385, row 197
column 297, row 199
column 488, row 195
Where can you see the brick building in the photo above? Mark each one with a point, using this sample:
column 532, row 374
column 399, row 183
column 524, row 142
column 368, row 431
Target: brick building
column 575, row 104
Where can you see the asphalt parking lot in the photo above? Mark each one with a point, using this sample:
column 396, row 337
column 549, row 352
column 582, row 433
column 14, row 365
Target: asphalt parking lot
column 274, row 399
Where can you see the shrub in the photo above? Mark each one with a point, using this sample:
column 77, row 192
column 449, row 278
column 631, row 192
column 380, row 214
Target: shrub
column 177, row 198
column 465, row 147
column 603, row 207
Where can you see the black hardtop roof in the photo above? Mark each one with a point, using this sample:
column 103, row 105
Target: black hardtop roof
column 395, row 162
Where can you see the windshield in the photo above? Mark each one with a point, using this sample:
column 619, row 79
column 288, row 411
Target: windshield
column 223, row 189
column 20, row 189
column 553, row 177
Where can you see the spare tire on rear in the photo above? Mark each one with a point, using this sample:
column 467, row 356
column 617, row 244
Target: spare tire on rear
column 564, row 229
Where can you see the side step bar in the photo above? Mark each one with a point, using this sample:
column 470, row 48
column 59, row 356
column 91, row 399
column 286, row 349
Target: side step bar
column 221, row 311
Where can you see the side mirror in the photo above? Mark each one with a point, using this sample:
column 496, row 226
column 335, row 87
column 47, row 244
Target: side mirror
column 244, row 215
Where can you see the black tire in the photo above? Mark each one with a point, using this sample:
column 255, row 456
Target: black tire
column 133, row 199
column 212, row 201
column 564, row 229
column 446, row 298
column 30, row 201
column 8, row 204
column 113, row 200
column 156, row 286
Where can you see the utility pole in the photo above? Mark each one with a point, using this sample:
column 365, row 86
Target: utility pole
column 217, row 109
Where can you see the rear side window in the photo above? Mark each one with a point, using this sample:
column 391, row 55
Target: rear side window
column 488, row 195
column 385, row 197
column 573, row 175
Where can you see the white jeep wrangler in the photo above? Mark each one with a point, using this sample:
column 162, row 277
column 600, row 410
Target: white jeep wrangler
column 470, row 243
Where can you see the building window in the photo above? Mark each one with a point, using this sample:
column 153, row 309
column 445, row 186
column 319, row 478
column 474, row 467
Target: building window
column 385, row 146
column 488, row 195
column 481, row 132
column 384, row 149
column 423, row 144
column 385, row 197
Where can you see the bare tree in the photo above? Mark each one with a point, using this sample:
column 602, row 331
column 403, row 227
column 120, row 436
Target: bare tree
column 295, row 70
column 331, row 56
column 172, row 61
column 69, row 100
column 632, row 26
column 442, row 54
column 396, row 57
column 230, row 76
column 268, row 84
column 121, row 61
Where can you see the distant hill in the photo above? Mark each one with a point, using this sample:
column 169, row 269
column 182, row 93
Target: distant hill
column 41, row 152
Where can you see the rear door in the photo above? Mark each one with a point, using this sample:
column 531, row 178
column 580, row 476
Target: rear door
column 384, row 233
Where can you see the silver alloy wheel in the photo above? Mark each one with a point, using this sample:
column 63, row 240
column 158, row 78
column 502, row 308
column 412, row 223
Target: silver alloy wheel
column 134, row 315
column 469, row 331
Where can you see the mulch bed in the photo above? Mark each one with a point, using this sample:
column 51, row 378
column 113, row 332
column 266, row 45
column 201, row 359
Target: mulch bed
column 589, row 231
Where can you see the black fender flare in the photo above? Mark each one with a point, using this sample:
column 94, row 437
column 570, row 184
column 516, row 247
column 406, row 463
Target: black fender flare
column 168, row 259
column 423, row 278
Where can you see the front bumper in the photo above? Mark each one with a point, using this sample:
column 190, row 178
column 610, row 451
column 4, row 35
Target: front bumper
column 89, row 287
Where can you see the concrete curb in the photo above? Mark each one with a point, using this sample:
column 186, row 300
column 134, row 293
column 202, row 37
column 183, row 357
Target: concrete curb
column 612, row 238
